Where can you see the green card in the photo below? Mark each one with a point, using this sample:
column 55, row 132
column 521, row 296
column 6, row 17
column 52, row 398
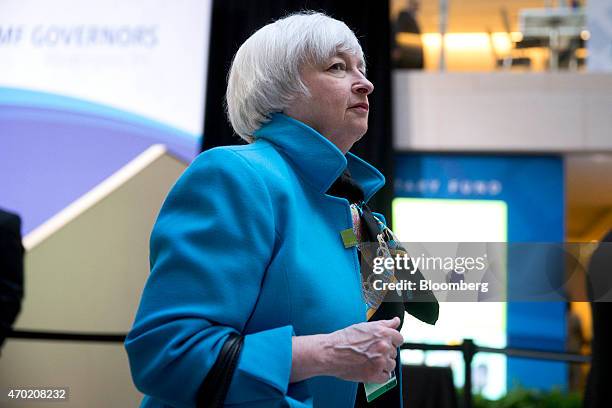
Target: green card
column 373, row 391
column 349, row 239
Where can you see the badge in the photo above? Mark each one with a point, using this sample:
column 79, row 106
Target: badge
column 373, row 391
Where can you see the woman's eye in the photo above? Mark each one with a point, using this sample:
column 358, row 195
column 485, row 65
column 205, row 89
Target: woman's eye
column 339, row 66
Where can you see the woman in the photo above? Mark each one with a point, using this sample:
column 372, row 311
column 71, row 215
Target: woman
column 249, row 243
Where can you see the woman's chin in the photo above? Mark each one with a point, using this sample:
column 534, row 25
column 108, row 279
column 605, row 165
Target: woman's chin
column 357, row 135
column 360, row 130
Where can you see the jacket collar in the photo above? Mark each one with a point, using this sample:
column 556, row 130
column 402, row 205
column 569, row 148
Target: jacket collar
column 317, row 159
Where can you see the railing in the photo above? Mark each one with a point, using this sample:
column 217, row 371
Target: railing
column 66, row 336
column 468, row 348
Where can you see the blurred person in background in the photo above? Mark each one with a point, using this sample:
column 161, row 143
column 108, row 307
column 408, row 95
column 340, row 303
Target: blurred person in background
column 598, row 393
column 11, row 271
column 407, row 49
column 574, row 342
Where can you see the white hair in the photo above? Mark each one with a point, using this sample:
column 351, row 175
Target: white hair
column 265, row 73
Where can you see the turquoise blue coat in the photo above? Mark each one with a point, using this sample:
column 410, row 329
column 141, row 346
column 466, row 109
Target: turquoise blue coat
column 247, row 241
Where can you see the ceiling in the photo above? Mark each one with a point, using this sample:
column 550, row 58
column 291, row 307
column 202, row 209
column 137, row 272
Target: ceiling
column 471, row 15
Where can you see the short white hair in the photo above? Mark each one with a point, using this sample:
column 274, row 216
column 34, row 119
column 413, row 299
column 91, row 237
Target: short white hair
column 265, row 73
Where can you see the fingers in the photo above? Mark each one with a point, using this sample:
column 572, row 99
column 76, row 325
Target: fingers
column 386, row 373
column 390, row 366
column 387, row 354
column 397, row 339
column 381, row 378
column 393, row 336
column 392, row 323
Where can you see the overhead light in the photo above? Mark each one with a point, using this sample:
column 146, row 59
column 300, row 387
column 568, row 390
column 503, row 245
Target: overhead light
column 469, row 41
column 517, row 36
column 585, row 35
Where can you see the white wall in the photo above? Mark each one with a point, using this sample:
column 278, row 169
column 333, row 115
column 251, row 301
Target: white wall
column 502, row 111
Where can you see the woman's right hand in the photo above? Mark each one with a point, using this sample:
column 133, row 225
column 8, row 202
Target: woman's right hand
column 363, row 352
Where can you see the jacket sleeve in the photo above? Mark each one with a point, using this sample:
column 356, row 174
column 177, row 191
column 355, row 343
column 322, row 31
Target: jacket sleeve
column 210, row 247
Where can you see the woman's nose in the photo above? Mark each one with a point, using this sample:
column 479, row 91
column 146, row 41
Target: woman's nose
column 363, row 86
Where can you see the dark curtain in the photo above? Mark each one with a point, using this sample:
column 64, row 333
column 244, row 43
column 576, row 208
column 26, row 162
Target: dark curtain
column 233, row 21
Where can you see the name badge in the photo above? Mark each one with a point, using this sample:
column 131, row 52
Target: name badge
column 373, row 391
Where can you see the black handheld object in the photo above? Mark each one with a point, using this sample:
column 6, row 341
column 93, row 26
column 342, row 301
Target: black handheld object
column 214, row 388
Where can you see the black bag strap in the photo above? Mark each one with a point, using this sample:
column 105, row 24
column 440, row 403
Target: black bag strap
column 213, row 390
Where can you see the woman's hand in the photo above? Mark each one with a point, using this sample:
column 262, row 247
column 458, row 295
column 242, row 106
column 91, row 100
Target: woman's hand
column 364, row 352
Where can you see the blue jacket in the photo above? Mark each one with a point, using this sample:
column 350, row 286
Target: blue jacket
column 247, row 241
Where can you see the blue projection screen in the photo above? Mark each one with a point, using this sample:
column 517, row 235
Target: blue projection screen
column 495, row 198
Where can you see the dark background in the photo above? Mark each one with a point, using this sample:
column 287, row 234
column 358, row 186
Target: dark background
column 233, row 21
